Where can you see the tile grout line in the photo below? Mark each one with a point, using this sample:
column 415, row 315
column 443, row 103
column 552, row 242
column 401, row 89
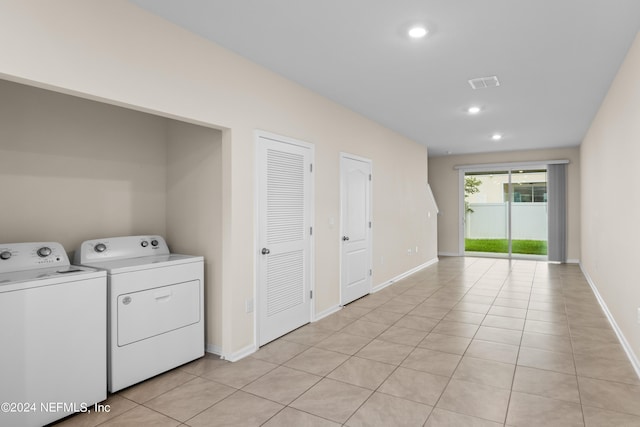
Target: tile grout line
column 462, row 355
column 515, row 369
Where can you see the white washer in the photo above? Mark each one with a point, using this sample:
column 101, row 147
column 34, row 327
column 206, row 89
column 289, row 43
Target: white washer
column 155, row 306
column 53, row 335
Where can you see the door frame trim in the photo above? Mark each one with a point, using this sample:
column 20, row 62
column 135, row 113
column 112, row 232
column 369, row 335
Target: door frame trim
column 257, row 134
column 345, row 155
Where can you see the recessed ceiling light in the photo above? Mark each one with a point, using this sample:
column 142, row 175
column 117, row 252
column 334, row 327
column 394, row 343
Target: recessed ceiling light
column 473, row 109
column 417, row 32
column 496, row 136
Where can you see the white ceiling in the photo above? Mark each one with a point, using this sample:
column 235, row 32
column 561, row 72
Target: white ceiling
column 555, row 60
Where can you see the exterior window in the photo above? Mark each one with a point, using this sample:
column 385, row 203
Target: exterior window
column 527, row 192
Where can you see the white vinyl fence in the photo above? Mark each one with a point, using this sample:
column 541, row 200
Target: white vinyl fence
column 489, row 221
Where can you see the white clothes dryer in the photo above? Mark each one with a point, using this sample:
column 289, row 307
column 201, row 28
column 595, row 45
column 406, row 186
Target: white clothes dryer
column 53, row 335
column 155, row 306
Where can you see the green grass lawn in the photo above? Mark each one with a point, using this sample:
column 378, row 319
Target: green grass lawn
column 529, row 247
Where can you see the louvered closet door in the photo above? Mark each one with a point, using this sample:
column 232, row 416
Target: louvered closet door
column 284, row 244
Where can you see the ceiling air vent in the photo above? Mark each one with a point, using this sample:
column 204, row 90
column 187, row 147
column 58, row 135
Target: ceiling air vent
column 484, row 82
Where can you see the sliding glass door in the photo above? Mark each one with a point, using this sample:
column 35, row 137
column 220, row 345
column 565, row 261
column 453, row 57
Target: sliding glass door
column 486, row 212
column 505, row 212
column 529, row 215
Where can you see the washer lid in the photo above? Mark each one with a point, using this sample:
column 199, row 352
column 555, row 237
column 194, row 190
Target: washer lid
column 16, row 280
column 144, row 263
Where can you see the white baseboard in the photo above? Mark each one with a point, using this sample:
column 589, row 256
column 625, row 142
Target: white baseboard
column 250, row 349
column 403, row 275
column 448, row 254
column 623, row 341
column 240, row 354
column 213, row 349
column 569, row 261
column 328, row 312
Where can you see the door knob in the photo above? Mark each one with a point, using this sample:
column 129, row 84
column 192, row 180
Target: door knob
column 345, row 238
column 265, row 251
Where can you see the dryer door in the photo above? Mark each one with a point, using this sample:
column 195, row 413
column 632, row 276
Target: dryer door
column 145, row 314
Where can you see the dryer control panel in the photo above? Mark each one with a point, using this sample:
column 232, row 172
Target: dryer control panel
column 32, row 255
column 114, row 248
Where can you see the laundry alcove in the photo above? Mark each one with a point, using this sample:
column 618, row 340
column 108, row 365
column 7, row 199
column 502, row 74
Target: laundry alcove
column 74, row 169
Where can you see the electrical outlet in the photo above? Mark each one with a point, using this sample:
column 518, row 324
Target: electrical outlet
column 248, row 305
column 416, row 249
column 408, row 251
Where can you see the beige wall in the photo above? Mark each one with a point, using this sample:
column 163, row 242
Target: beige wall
column 117, row 53
column 73, row 169
column 194, row 211
column 610, row 156
column 445, row 183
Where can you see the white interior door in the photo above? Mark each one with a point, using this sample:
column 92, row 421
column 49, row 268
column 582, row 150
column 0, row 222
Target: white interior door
column 355, row 206
column 284, row 246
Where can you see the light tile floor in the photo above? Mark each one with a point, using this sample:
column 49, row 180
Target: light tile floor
column 466, row 342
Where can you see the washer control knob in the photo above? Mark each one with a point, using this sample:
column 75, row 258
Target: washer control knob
column 44, row 252
column 5, row 255
column 100, row 247
column 144, row 243
column 154, row 243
